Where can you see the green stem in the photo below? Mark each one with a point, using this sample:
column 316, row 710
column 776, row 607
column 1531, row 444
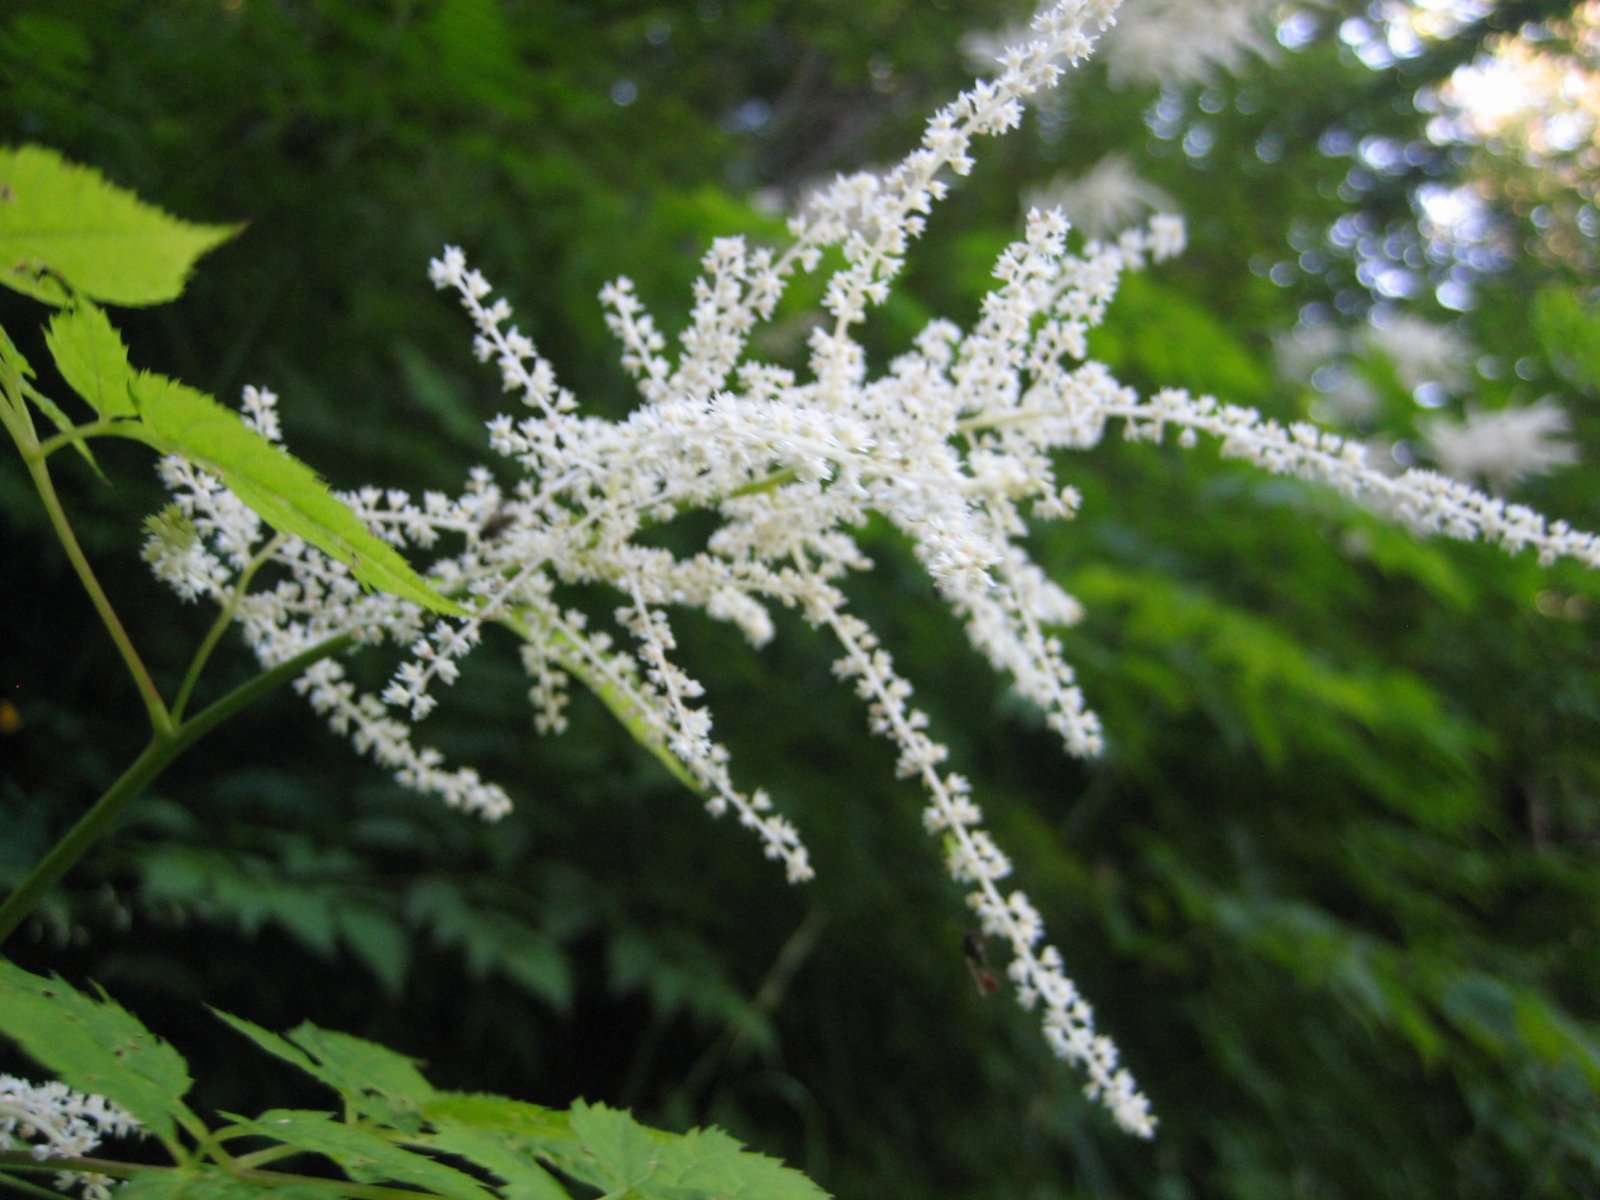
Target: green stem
column 76, row 435
column 770, row 484
column 220, row 625
column 156, row 757
column 569, row 654
column 33, row 458
column 13, row 1160
column 30, row 1189
column 260, row 1158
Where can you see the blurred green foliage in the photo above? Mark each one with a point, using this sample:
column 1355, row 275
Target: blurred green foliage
column 1333, row 886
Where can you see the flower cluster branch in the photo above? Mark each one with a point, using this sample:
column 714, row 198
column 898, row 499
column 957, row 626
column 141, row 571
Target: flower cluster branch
column 958, row 443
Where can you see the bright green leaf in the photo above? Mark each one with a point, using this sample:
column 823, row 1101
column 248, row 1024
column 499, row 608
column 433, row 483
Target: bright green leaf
column 272, row 1043
column 372, row 1079
column 708, row 1163
column 12, row 357
column 63, row 226
column 284, row 491
column 95, row 1046
column 91, row 357
column 61, row 421
column 354, row 1066
column 616, row 1154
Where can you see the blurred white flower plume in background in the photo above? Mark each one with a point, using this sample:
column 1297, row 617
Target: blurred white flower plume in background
column 1504, row 446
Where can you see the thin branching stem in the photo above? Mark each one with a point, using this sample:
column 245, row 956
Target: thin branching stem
column 20, row 427
column 220, row 625
column 162, row 751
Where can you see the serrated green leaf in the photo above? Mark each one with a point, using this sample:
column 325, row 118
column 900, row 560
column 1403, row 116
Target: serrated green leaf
column 364, row 1156
column 65, row 224
column 91, row 357
column 372, row 1079
column 619, row 1155
column 15, row 360
column 12, row 357
column 708, row 1163
column 61, row 421
column 282, row 490
column 355, row 1066
column 499, row 1114
column 614, row 1152
column 514, row 1163
column 213, row 1183
column 95, row 1046
column 272, row 1043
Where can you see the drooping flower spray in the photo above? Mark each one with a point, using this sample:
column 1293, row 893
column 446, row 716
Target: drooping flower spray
column 956, row 443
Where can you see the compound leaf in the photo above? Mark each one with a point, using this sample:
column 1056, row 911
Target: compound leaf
column 95, row 1046
column 514, row 1163
column 619, row 1155
column 365, row 1156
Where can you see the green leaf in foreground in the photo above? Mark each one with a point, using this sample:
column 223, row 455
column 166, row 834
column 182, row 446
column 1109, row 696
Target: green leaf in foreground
column 95, row 1046
column 519, row 1119
column 274, row 1044
column 607, row 1149
column 365, row 1156
column 515, row 1164
column 64, row 229
column 374, row 1080
column 282, row 490
column 91, row 357
column 622, row 1157
column 12, row 360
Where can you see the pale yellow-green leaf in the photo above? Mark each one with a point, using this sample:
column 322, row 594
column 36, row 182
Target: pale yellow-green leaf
column 12, row 359
column 91, row 357
column 282, row 490
column 62, row 422
column 65, row 229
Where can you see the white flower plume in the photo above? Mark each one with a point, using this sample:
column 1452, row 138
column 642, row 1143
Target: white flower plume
column 956, row 443
column 1183, row 42
column 1420, row 350
column 1174, row 42
column 1105, row 199
column 1504, row 446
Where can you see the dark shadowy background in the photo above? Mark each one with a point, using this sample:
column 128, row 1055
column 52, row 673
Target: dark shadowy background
column 1333, row 887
